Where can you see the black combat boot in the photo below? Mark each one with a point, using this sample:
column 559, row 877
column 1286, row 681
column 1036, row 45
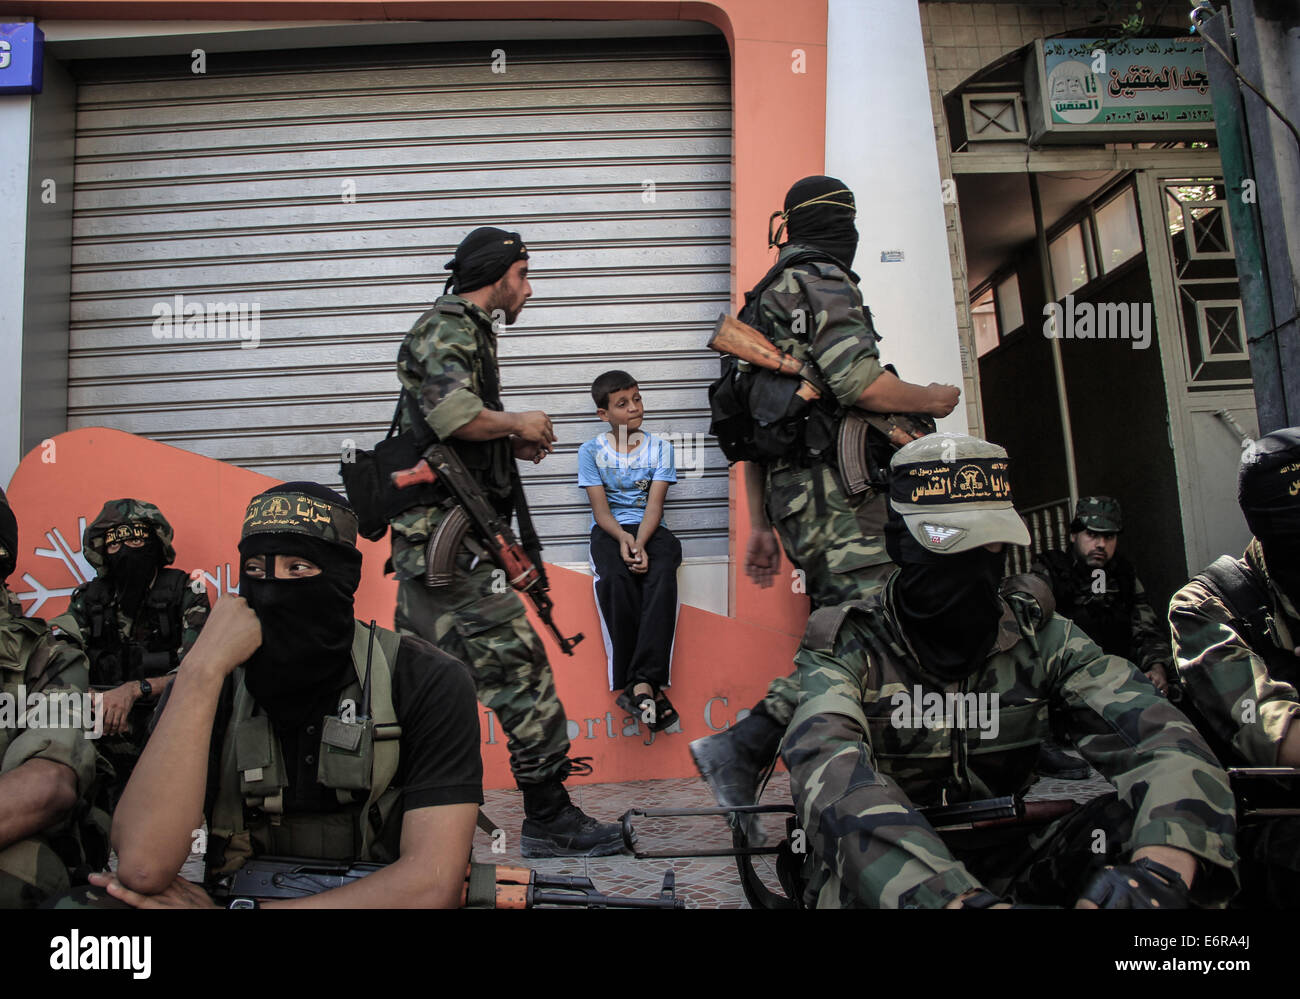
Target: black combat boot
column 1055, row 763
column 555, row 827
column 732, row 763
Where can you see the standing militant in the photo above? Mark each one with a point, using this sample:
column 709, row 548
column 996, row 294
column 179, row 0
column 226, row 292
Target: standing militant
column 135, row 621
column 861, row 766
column 809, row 305
column 448, row 369
column 1236, row 631
column 47, row 768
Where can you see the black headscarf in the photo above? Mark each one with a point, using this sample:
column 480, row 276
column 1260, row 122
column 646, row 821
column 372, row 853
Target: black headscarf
column 8, row 538
column 307, row 624
column 1268, row 489
column 482, row 258
column 819, row 212
column 948, row 605
column 131, row 570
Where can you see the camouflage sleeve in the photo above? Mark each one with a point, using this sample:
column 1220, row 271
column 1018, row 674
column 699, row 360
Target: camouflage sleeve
column 72, row 625
column 194, row 615
column 437, row 364
column 1150, row 636
column 876, row 848
column 1159, row 764
column 56, row 726
column 1229, row 684
column 828, row 308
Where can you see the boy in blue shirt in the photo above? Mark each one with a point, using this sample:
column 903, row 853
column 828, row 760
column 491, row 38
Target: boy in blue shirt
column 626, row 473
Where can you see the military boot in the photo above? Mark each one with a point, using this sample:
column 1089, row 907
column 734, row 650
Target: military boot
column 1055, row 763
column 732, row 763
column 555, row 827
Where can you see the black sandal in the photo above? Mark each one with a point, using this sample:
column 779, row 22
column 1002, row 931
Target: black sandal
column 665, row 713
column 635, row 706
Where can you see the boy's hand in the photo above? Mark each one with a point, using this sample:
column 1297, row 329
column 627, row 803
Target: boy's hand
column 627, row 549
column 641, row 565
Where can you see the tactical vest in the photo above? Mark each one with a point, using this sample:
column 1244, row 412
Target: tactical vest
column 357, row 759
column 1106, row 619
column 490, row 462
column 157, row 626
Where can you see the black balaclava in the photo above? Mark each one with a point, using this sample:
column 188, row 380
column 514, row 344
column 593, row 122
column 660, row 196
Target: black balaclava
column 307, row 624
column 1268, row 490
column 819, row 212
column 8, row 538
column 948, row 605
column 483, row 258
column 132, row 570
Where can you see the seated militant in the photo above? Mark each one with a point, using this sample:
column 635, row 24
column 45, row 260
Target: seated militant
column 135, row 620
column 940, row 690
column 329, row 740
column 1236, row 632
column 47, row 761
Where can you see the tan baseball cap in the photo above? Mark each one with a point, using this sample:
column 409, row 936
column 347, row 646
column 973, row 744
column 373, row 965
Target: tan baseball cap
column 954, row 493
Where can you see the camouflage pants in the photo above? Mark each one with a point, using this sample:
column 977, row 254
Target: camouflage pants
column 30, row 873
column 839, row 548
column 488, row 631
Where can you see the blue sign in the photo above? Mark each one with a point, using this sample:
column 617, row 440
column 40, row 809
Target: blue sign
column 22, row 47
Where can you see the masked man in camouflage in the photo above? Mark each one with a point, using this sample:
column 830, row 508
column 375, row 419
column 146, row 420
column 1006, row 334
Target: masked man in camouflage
column 1236, row 631
column 940, row 690
column 294, row 730
column 1100, row 592
column 448, row 367
column 47, row 763
column 814, row 311
column 135, row 621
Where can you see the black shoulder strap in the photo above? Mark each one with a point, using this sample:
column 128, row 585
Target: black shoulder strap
column 825, row 623
column 796, row 259
column 1243, row 593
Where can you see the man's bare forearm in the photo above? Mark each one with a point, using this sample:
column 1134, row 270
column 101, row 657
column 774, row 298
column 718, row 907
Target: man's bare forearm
column 152, row 842
column 890, row 394
column 33, row 796
column 754, row 476
column 489, row 425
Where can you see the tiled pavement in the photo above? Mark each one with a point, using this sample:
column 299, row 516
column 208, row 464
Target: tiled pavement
column 704, row 882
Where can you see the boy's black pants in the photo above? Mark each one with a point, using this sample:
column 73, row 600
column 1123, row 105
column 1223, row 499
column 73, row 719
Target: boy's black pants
column 638, row 612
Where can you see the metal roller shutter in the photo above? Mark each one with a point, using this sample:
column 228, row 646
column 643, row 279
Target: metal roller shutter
column 611, row 158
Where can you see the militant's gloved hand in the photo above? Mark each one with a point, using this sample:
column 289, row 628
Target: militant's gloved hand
column 1144, row 884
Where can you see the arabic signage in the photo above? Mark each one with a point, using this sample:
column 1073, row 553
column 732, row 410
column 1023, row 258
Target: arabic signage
column 21, row 50
column 1143, row 88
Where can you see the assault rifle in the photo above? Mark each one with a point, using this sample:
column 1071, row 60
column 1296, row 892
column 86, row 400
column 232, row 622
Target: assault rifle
column 487, row 886
column 743, row 342
column 492, row 539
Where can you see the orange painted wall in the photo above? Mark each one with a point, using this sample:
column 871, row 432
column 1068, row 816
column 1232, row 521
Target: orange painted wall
column 778, row 133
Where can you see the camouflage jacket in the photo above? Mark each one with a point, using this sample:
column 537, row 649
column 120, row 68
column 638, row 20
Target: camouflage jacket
column 815, row 312
column 144, row 631
column 1119, row 618
column 448, row 362
column 1227, row 680
column 867, row 745
column 32, row 662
